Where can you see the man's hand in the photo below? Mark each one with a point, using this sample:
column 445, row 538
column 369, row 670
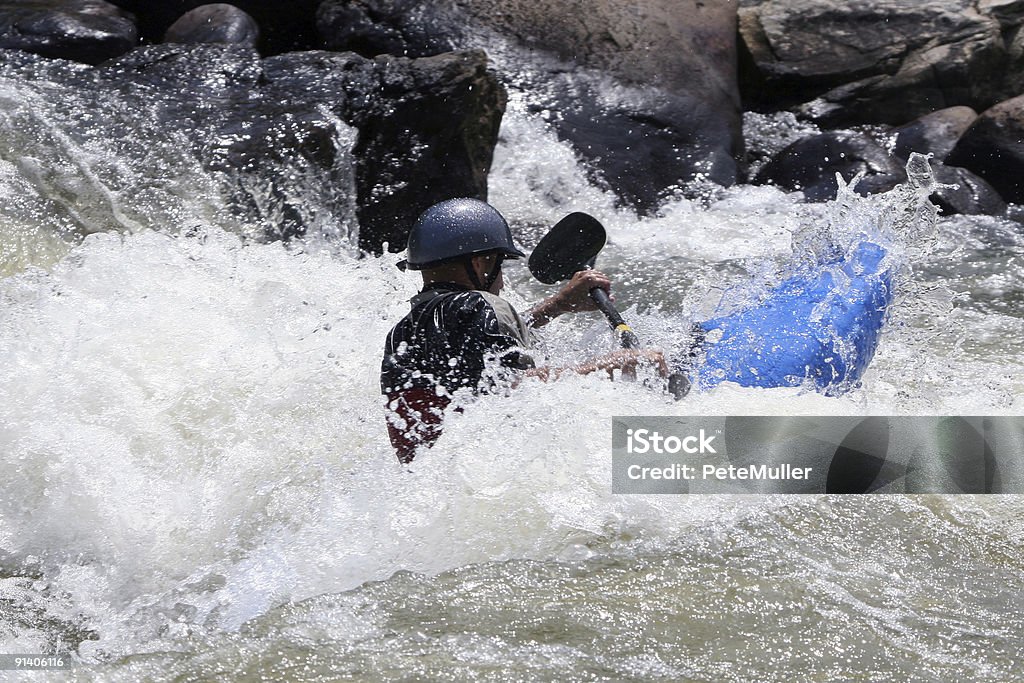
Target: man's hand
column 573, row 297
column 626, row 360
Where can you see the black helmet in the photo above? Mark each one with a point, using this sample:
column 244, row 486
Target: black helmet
column 455, row 228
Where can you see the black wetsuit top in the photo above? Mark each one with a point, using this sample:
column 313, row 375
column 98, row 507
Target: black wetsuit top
column 447, row 338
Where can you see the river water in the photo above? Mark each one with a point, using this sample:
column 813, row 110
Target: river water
column 196, row 481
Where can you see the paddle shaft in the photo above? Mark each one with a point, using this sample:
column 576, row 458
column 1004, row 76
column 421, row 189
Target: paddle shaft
column 572, row 245
column 627, row 337
column 678, row 383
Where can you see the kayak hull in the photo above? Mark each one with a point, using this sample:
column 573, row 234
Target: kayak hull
column 819, row 327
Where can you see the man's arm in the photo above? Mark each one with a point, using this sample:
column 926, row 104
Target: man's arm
column 626, row 360
column 573, row 297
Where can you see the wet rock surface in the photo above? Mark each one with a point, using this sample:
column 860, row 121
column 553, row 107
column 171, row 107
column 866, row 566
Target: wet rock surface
column 426, row 127
column 880, row 61
column 965, row 193
column 810, row 165
column 935, row 133
column 284, row 26
column 993, row 148
column 89, row 31
column 646, row 95
column 216, row 23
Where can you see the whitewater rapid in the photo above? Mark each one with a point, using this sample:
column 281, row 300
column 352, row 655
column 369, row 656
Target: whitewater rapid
column 192, row 438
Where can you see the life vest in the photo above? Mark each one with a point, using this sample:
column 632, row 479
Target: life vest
column 441, row 346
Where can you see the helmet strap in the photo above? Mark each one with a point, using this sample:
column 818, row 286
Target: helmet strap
column 471, row 273
column 491, row 278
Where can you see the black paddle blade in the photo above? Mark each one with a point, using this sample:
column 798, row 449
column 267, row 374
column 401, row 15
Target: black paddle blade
column 569, row 247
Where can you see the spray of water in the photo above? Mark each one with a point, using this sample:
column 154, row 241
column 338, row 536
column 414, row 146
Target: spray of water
column 79, row 157
column 191, row 433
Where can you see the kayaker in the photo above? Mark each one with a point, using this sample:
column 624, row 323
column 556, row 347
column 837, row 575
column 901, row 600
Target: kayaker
column 460, row 333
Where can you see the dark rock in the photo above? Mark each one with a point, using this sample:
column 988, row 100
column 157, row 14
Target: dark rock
column 935, row 133
column 1015, row 68
column 1008, row 13
column 217, row 23
column 426, row 127
column 219, row 95
column 206, row 72
column 879, row 61
column 993, row 148
column 810, row 165
column 89, row 31
column 376, row 27
column 872, row 183
column 971, row 196
column 211, row 95
column 644, row 150
column 285, row 25
column 647, row 96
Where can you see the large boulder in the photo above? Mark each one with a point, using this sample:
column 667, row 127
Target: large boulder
column 1007, row 12
column 875, row 61
column 213, row 77
column 426, row 128
column 284, row 25
column 647, row 94
column 646, row 146
column 993, row 148
column 936, row 133
column 89, row 31
column 810, row 165
column 211, row 97
column 216, row 23
column 376, row 27
column 1015, row 66
column 963, row 192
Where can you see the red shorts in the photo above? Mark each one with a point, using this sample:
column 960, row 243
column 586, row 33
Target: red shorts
column 414, row 420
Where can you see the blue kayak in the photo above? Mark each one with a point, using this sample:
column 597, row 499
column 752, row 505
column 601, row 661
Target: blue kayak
column 821, row 326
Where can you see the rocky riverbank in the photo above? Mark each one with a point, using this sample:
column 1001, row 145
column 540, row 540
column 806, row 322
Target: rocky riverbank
column 650, row 95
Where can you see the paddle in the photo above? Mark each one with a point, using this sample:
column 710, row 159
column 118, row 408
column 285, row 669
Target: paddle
column 572, row 245
column 569, row 247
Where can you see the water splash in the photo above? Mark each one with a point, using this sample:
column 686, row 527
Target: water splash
column 81, row 157
column 191, row 436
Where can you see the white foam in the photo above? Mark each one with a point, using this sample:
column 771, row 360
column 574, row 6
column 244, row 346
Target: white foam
column 191, row 430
